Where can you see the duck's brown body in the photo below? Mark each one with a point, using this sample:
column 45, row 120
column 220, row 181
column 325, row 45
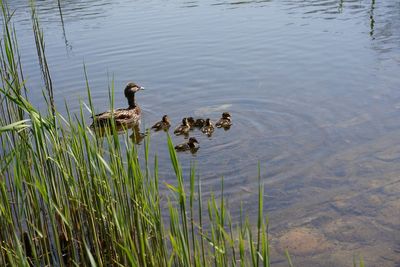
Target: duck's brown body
column 122, row 116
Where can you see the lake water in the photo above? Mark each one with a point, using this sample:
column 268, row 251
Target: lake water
column 313, row 87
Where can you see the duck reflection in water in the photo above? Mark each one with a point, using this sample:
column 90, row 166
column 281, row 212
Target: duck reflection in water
column 137, row 136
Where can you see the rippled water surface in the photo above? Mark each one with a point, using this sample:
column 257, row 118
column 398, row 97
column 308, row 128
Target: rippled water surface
column 313, row 88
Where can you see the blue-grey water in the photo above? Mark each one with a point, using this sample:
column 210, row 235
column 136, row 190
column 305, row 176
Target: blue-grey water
column 313, row 87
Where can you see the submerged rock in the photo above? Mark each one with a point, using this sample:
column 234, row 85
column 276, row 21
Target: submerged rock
column 303, row 241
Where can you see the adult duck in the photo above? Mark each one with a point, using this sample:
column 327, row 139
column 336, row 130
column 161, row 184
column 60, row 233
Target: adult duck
column 122, row 116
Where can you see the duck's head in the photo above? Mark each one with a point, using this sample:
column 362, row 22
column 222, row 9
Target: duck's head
column 226, row 115
column 193, row 140
column 190, row 120
column 165, row 118
column 185, row 121
column 131, row 88
column 208, row 122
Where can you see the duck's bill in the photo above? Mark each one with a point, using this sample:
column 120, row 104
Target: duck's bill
column 141, row 88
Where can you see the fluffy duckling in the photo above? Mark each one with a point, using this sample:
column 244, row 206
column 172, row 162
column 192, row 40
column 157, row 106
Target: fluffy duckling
column 191, row 122
column 199, row 123
column 225, row 121
column 208, row 128
column 164, row 124
column 189, row 145
column 122, row 116
column 184, row 128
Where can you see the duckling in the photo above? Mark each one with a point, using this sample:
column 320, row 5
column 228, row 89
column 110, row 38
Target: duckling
column 199, row 123
column 225, row 121
column 191, row 122
column 183, row 128
column 208, row 128
column 190, row 145
column 164, row 124
column 122, row 116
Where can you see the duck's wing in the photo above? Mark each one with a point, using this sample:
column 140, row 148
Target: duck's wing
column 120, row 115
column 182, row 130
column 182, row 147
column 219, row 123
column 127, row 116
column 227, row 123
column 101, row 118
column 100, row 115
column 207, row 130
column 178, row 129
column 107, row 114
column 157, row 126
column 223, row 123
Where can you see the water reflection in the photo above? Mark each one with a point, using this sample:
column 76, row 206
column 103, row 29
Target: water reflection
column 72, row 9
column 326, row 9
column 190, row 4
column 237, row 4
column 340, row 7
column 385, row 27
column 372, row 20
column 137, row 136
column 68, row 47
